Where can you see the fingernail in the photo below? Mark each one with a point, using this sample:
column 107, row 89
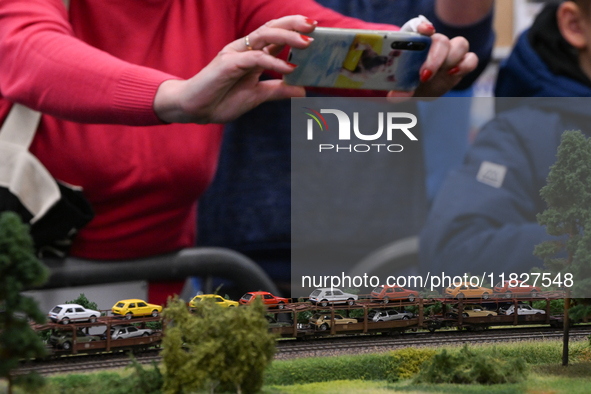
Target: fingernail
column 426, row 75
column 453, row 71
column 306, row 38
column 291, row 64
column 311, row 21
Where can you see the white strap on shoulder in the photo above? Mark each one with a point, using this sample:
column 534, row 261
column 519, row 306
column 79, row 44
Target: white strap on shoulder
column 20, row 126
column 21, row 172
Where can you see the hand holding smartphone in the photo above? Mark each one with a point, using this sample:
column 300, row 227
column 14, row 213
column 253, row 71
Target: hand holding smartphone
column 360, row 59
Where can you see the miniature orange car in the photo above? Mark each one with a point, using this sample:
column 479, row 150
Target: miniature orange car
column 509, row 287
column 466, row 290
column 393, row 293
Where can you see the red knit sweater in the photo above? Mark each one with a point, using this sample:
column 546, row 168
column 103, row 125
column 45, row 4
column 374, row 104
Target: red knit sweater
column 96, row 76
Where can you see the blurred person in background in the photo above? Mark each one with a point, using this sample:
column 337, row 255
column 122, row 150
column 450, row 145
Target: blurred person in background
column 484, row 218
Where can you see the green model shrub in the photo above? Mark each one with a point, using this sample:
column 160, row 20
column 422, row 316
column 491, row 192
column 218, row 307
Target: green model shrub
column 144, row 380
column 469, row 367
column 215, row 348
column 406, row 363
column 327, row 369
column 19, row 270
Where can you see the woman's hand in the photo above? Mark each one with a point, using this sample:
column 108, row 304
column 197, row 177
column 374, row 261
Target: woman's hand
column 447, row 63
column 229, row 85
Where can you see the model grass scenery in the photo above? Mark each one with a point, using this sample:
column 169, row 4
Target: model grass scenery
column 526, row 367
column 193, row 350
column 367, row 315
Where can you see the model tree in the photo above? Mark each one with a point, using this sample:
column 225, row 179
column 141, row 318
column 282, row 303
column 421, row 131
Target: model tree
column 568, row 217
column 216, row 347
column 19, row 270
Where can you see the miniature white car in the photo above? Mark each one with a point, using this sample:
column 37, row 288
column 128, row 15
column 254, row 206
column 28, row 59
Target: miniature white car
column 327, row 296
column 523, row 309
column 124, row 332
column 375, row 315
column 66, row 313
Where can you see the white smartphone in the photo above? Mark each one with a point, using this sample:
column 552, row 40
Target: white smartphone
column 360, row 59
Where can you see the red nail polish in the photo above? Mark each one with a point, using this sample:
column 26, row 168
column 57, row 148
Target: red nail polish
column 453, row 71
column 426, row 75
column 311, row 21
column 291, row 64
column 306, row 38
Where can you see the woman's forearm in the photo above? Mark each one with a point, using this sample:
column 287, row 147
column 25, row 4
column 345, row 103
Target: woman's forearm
column 462, row 12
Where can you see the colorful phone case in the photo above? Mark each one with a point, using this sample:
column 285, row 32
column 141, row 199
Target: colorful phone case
column 360, row 59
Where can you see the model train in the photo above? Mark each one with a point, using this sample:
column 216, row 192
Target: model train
column 305, row 319
column 115, row 334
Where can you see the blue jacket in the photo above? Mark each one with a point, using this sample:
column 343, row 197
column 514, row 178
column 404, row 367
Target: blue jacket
column 475, row 227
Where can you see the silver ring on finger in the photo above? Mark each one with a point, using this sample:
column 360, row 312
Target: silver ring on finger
column 247, row 43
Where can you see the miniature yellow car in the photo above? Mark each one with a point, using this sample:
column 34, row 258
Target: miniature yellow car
column 466, row 290
column 473, row 311
column 219, row 300
column 322, row 321
column 135, row 308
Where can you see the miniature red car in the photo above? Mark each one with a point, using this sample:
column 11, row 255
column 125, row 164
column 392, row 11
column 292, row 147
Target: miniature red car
column 268, row 299
column 509, row 287
column 393, row 293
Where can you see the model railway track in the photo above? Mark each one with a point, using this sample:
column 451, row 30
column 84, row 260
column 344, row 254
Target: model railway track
column 383, row 343
column 87, row 363
column 319, row 347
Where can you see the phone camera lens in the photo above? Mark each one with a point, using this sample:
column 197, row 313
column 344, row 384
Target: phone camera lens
column 408, row 45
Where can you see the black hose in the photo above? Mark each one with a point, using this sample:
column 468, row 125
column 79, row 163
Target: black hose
column 245, row 274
